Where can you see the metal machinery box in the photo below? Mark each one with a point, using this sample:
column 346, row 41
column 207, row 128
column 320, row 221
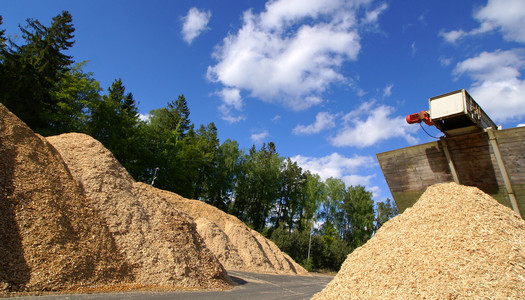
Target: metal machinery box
column 456, row 113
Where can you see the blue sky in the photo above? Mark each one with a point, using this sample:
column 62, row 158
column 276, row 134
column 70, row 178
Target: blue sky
column 329, row 82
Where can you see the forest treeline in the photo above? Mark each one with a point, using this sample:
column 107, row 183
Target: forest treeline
column 317, row 222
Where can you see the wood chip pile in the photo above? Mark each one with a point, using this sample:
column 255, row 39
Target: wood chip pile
column 72, row 218
column 106, row 182
column 160, row 242
column 51, row 238
column 235, row 245
column 456, row 242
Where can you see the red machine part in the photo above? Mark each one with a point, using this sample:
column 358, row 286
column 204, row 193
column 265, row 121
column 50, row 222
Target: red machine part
column 419, row 117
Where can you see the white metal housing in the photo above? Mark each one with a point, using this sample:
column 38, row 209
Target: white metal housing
column 456, row 113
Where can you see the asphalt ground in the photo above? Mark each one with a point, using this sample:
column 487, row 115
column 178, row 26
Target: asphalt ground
column 252, row 286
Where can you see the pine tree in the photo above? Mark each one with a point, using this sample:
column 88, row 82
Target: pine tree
column 115, row 123
column 30, row 72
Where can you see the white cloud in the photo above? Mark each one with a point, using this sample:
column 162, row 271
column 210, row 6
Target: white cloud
column 143, row 117
column 292, row 52
column 387, row 91
column 507, row 16
column 333, row 165
column 276, row 118
column 323, row 120
column 373, row 16
column 280, row 14
column 355, row 179
column 195, row 22
column 453, row 35
column 370, row 124
column 363, row 180
column 226, row 115
column 498, row 86
column 231, row 98
column 258, row 138
column 338, row 166
column 521, row 125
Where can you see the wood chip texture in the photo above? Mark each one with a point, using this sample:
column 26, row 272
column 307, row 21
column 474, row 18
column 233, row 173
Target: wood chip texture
column 130, row 208
column 160, row 242
column 51, row 237
column 456, row 242
column 235, row 245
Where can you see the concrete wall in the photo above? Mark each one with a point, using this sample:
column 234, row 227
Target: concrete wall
column 409, row 171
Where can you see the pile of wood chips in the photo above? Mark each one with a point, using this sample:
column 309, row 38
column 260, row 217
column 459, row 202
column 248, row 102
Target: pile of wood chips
column 235, row 245
column 160, row 242
column 456, row 242
column 130, row 207
column 51, row 238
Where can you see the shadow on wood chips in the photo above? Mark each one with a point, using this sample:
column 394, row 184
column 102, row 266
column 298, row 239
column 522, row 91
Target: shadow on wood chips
column 14, row 266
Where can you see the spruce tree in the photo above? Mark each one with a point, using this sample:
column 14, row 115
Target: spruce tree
column 30, row 72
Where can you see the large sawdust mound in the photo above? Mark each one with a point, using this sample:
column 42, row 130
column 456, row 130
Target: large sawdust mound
column 51, row 238
column 456, row 242
column 235, row 245
column 161, row 242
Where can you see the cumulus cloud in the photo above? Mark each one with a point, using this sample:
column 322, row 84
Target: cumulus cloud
column 370, row 124
column 323, row 120
column 507, row 16
column 194, row 23
column 498, row 85
column 258, row 138
column 291, row 52
column 333, row 165
column 338, row 166
column 355, row 179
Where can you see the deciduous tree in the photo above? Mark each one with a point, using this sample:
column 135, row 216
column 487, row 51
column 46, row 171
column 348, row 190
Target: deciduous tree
column 359, row 211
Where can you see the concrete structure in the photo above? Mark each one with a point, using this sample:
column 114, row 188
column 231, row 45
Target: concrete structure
column 492, row 160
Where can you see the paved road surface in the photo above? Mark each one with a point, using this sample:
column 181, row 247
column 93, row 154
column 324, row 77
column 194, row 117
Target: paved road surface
column 250, row 286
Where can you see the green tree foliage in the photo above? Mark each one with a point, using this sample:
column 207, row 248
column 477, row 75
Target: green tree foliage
column 3, row 41
column 114, row 121
column 222, row 176
column 30, row 73
column 197, row 154
column 326, row 252
column 332, row 206
column 185, row 157
column 312, row 197
column 384, row 212
column 207, row 145
column 171, row 141
column 289, row 204
column 76, row 94
column 257, row 185
column 359, row 210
